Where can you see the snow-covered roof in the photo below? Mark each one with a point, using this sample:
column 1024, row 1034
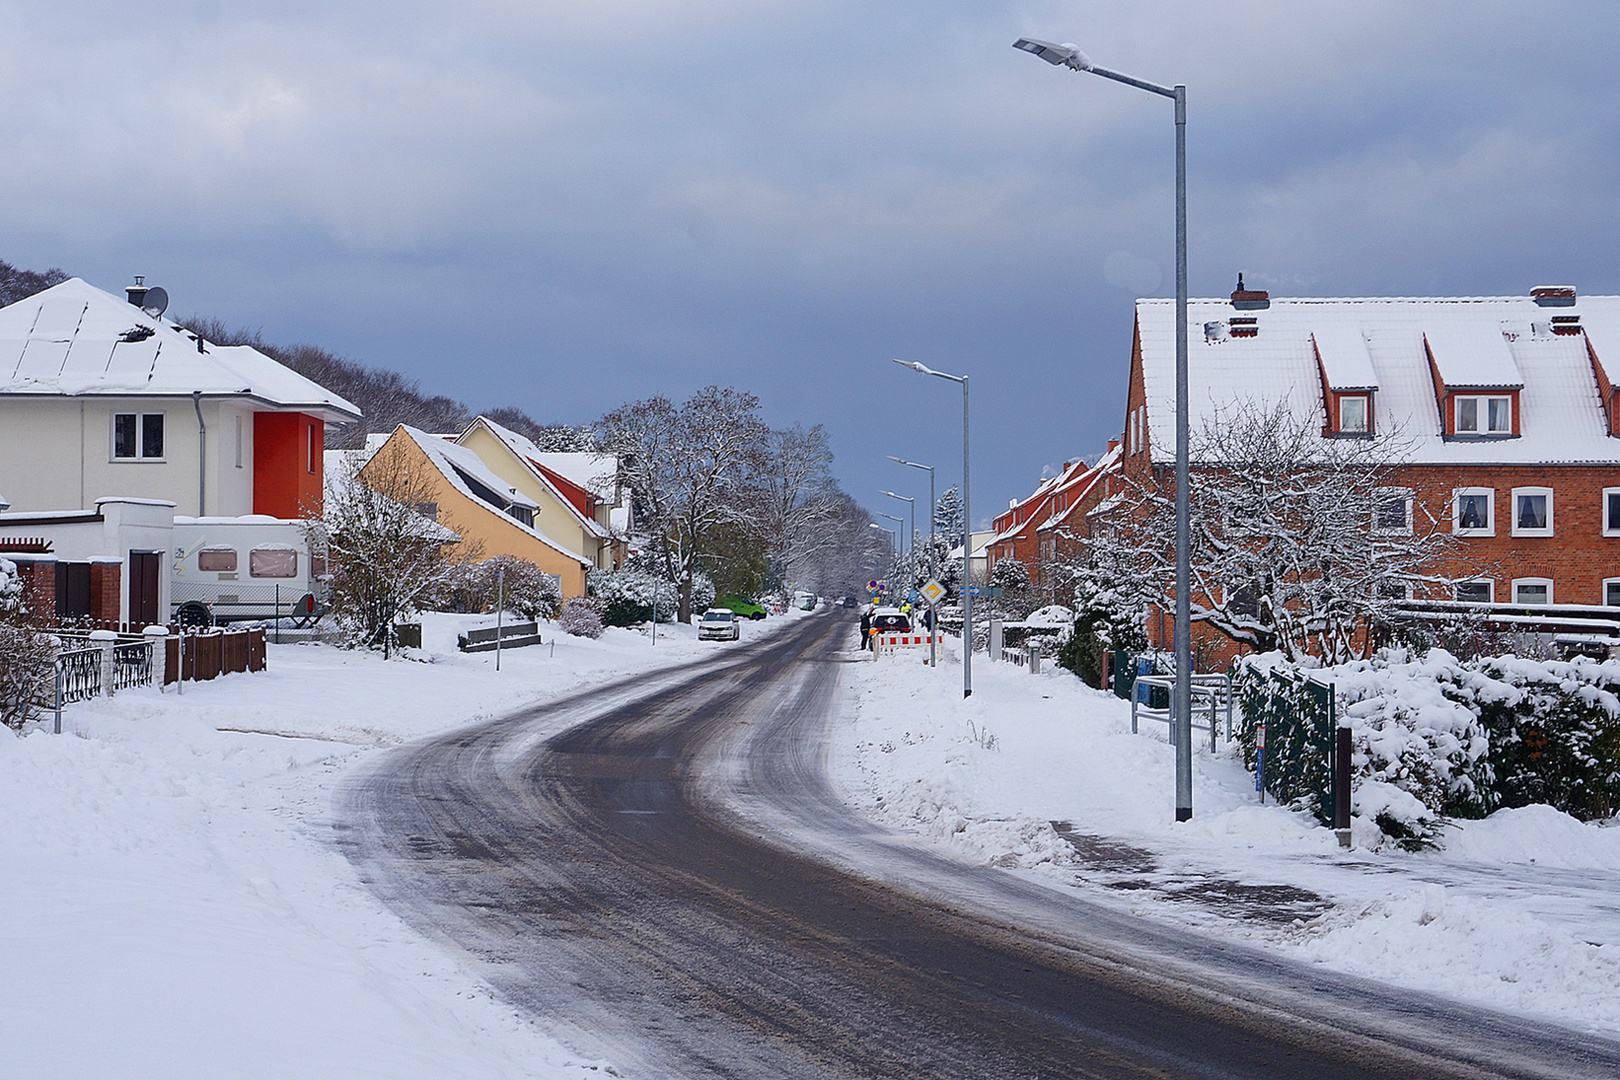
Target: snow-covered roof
column 1345, row 360
column 1477, row 343
column 458, row 465
column 528, row 455
column 74, row 339
column 593, row 472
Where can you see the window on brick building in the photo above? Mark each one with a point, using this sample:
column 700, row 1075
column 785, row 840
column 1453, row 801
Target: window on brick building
column 1611, row 592
column 1611, row 511
column 1473, row 512
column 1484, row 415
column 1532, row 590
column 1354, row 415
column 1392, row 511
column 1532, row 511
column 1480, row 591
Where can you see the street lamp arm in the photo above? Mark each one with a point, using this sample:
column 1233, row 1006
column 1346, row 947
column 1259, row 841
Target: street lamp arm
column 915, row 365
column 1067, row 55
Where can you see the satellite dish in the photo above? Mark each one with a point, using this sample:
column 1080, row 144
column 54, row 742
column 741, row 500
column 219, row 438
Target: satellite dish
column 156, row 301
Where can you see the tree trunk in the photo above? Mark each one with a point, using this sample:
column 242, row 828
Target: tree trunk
column 686, row 599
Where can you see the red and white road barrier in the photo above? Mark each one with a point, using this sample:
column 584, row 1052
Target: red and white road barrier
column 912, row 639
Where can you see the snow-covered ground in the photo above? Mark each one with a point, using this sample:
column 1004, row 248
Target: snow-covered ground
column 174, row 902
column 1520, row 911
column 176, row 906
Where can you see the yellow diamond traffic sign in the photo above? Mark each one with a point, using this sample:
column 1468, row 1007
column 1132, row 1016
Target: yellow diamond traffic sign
column 933, row 590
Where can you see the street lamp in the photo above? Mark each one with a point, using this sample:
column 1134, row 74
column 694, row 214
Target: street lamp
column 886, row 531
column 933, row 508
column 913, row 502
column 900, row 530
column 1069, row 56
column 967, row 529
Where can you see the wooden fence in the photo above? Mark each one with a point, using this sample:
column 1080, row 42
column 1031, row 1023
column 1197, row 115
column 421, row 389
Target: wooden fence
column 210, row 654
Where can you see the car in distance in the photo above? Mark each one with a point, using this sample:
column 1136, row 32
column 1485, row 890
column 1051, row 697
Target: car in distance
column 719, row 624
column 890, row 620
column 748, row 609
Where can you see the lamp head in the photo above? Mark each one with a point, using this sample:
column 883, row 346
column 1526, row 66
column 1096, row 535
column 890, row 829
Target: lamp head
column 1065, row 55
column 914, row 365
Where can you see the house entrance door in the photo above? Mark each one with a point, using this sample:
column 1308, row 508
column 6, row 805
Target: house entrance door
column 144, row 567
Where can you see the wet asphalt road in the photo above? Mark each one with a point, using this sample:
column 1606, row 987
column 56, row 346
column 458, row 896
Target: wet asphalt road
column 672, row 886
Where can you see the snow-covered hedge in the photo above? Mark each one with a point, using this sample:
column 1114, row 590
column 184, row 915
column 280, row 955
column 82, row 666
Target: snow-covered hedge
column 1437, row 737
column 627, row 596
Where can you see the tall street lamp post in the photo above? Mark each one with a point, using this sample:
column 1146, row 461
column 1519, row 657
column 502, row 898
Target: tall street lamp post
column 900, row 529
column 1069, row 56
column 933, row 508
column 967, row 529
column 913, row 502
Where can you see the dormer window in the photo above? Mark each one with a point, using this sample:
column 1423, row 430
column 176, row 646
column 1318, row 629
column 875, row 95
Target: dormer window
column 1484, row 415
column 1353, row 415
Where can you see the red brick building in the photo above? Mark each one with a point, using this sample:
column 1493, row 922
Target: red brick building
column 1504, row 407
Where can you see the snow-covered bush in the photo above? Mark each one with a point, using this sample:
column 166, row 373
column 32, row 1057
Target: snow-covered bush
column 1438, row 737
column 579, row 618
column 27, row 673
column 529, row 590
column 11, row 590
column 628, row 596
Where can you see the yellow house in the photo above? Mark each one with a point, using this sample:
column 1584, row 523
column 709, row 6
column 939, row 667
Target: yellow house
column 460, row 492
column 568, row 512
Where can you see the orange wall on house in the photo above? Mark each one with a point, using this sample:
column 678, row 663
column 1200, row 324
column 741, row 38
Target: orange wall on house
column 287, row 464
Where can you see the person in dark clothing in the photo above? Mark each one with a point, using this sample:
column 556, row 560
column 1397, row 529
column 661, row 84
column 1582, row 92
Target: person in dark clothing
column 866, row 628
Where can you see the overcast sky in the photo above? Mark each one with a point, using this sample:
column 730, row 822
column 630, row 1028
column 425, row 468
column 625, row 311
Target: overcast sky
column 564, row 206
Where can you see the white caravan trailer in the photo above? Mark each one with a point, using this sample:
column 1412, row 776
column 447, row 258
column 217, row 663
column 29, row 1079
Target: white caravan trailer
column 231, row 569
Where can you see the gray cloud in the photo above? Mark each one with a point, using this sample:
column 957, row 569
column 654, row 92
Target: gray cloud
column 562, row 205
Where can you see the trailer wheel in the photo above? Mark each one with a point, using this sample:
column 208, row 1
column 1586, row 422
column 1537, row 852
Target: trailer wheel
column 194, row 613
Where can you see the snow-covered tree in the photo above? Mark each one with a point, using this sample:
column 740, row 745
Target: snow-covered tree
column 693, row 469
column 948, row 517
column 1299, row 543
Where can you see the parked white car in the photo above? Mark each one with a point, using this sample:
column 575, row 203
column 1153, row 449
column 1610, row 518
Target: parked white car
column 719, row 624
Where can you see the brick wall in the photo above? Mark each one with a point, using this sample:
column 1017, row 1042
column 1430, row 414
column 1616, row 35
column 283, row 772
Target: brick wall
column 1577, row 557
column 38, row 577
column 106, row 583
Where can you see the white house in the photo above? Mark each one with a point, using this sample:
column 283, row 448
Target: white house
column 99, row 397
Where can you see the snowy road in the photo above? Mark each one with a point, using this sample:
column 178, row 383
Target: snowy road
column 672, row 885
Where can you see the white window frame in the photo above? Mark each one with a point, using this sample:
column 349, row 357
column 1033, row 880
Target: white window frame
column 1365, row 401
column 1381, row 495
column 1456, row 511
column 1482, row 413
column 1490, row 589
column 1514, row 528
column 1130, row 434
column 1532, row 581
column 1603, row 594
column 1610, row 528
column 140, row 436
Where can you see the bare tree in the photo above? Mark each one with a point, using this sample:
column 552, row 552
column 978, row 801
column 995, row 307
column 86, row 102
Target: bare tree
column 387, row 555
column 799, row 498
column 1299, row 543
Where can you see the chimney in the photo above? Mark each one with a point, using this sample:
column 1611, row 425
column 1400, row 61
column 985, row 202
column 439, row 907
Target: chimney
column 1553, row 295
column 137, row 292
column 1113, row 444
column 1250, row 299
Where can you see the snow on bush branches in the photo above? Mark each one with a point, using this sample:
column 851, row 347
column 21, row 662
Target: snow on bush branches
column 1438, row 737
